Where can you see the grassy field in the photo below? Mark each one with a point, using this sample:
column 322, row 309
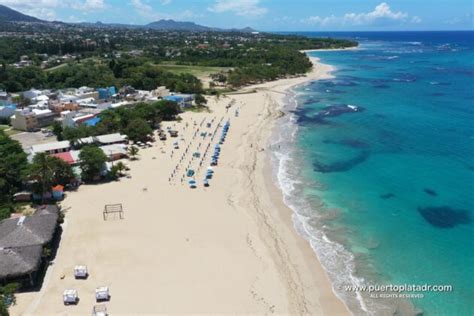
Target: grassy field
column 55, row 67
column 8, row 130
column 198, row 71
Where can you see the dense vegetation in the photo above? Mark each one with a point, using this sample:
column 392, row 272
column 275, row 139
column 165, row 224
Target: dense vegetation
column 92, row 162
column 136, row 122
column 125, row 71
column 47, row 171
column 133, row 56
column 13, row 166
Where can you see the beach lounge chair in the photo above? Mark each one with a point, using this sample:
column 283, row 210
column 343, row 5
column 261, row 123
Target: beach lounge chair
column 190, row 173
column 70, row 296
column 206, row 182
column 80, row 272
column 99, row 310
column 192, row 183
column 102, row 294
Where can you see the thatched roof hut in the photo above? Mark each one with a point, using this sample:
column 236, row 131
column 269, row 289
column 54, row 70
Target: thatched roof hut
column 22, row 240
column 21, row 261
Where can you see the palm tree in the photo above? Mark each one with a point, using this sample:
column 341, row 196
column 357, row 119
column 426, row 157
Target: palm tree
column 120, row 168
column 42, row 173
column 133, row 152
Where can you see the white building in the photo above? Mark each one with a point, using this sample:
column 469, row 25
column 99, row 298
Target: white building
column 51, row 148
column 32, row 94
column 32, row 119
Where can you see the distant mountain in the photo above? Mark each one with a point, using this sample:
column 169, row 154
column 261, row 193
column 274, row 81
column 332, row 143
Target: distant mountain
column 170, row 25
column 166, row 25
column 10, row 15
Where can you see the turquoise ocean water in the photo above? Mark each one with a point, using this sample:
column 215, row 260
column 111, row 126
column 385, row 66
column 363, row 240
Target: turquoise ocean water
column 385, row 194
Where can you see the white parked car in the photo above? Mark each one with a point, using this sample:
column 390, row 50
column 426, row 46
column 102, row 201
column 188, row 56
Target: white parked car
column 70, row 296
column 102, row 294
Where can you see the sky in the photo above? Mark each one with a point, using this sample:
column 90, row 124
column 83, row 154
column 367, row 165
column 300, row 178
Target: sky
column 264, row 15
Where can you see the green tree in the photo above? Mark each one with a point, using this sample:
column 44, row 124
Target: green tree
column 120, row 168
column 7, row 292
column 133, row 152
column 168, row 110
column 73, row 134
column 138, row 130
column 47, row 171
column 13, row 164
column 41, row 172
column 109, row 122
column 63, row 173
column 200, row 100
column 92, row 162
column 58, row 130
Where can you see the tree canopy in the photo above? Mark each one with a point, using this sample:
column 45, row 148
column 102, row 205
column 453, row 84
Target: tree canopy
column 138, row 130
column 47, row 171
column 92, row 161
column 13, row 164
column 119, row 120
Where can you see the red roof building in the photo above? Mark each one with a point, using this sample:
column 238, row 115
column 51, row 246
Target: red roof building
column 66, row 156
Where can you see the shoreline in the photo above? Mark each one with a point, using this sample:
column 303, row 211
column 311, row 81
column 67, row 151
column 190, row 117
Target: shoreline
column 230, row 248
column 330, row 49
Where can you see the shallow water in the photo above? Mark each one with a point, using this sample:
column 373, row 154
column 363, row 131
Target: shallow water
column 396, row 180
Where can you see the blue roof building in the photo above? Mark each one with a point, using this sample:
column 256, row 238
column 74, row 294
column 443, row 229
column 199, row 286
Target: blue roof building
column 184, row 100
column 7, row 110
column 92, row 122
column 106, row 93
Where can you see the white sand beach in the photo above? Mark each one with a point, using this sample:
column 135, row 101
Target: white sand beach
column 227, row 249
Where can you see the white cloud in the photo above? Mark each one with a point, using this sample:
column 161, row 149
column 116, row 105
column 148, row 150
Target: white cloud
column 322, row 21
column 416, row 19
column 165, row 2
column 89, row 5
column 239, row 7
column 381, row 12
column 141, row 7
column 144, row 9
column 461, row 20
column 41, row 13
column 46, row 9
column 381, row 15
column 42, row 9
column 94, row 4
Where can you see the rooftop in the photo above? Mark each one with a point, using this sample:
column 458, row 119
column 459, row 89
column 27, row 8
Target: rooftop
column 22, row 240
column 66, row 156
column 110, row 138
column 50, row 146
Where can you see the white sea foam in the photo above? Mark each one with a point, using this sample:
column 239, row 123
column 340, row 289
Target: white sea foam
column 334, row 257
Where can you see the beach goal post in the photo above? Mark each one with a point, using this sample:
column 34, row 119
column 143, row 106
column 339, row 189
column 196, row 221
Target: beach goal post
column 113, row 209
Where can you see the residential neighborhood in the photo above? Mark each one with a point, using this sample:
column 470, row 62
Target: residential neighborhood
column 73, row 107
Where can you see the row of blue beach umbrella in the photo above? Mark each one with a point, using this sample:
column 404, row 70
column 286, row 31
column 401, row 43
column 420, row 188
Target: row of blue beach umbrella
column 214, row 158
column 217, row 148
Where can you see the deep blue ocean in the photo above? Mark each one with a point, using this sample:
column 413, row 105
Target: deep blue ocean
column 385, row 194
